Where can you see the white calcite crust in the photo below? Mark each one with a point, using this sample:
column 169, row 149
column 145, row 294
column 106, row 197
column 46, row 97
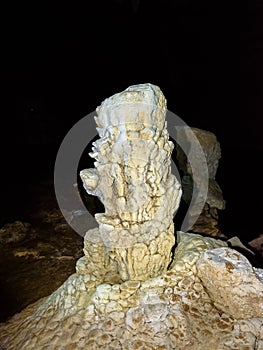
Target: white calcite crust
column 133, row 179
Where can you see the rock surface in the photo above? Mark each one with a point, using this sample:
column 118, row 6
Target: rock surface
column 233, row 284
column 180, row 309
column 207, row 222
column 257, row 244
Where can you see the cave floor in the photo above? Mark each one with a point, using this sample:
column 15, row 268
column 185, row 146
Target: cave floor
column 38, row 250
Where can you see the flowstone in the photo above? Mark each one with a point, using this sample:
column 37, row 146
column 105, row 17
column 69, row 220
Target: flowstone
column 129, row 291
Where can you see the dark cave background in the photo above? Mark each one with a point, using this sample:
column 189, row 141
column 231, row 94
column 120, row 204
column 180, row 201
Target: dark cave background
column 60, row 62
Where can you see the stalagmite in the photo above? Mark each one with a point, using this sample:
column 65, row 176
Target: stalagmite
column 129, row 292
column 133, row 179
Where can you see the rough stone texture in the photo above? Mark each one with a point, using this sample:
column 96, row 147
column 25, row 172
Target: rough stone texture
column 208, row 220
column 209, row 297
column 226, row 274
column 132, row 178
column 178, row 310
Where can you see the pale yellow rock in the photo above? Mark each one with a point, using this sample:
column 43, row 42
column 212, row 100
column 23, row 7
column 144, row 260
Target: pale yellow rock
column 231, row 282
column 133, row 179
